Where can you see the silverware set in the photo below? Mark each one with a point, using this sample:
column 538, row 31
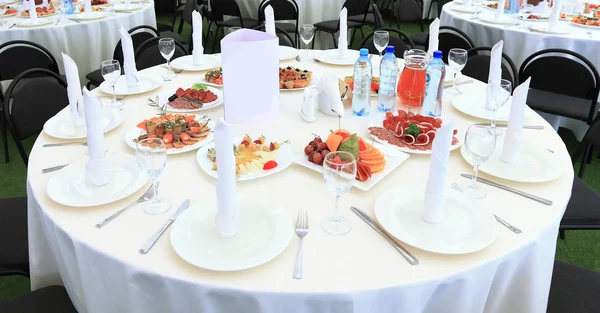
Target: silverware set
column 301, row 231
column 146, row 248
column 509, row 189
column 533, row 127
column 143, row 198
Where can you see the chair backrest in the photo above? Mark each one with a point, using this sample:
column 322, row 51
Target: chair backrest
column 592, row 137
column 30, row 110
column 147, row 54
column 449, row 38
column 440, row 4
column 221, row 8
column 285, row 39
column 165, row 6
column 478, row 65
column 357, row 7
column 283, row 9
column 20, row 55
column 379, row 21
column 401, row 43
column 408, row 11
column 188, row 9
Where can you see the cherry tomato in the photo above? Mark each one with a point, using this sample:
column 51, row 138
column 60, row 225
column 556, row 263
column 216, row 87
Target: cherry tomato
column 168, row 138
column 185, row 137
column 270, row 165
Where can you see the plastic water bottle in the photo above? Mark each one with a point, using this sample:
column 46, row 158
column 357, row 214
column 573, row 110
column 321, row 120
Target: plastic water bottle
column 361, row 95
column 387, row 80
column 69, row 7
column 434, row 86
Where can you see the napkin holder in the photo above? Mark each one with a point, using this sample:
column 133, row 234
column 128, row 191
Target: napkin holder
column 325, row 105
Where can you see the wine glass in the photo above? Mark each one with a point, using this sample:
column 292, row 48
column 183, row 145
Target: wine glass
column 457, row 59
column 381, row 38
column 499, row 95
column 151, row 155
column 480, row 143
column 111, row 71
column 233, row 29
column 339, row 171
column 307, row 33
column 166, row 46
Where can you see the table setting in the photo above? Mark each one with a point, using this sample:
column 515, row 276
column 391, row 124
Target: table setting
column 294, row 214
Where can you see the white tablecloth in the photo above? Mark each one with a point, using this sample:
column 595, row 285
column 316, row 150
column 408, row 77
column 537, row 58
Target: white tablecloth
column 88, row 43
column 519, row 43
column 359, row 272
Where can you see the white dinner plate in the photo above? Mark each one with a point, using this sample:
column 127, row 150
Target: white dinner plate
column 163, row 99
column 474, row 104
column 39, row 16
column 145, row 84
column 524, row 18
column 96, row 15
column 186, row 63
column 534, row 164
column 284, row 158
column 377, row 121
column 263, row 234
column 287, row 53
column 464, row 229
column 39, row 22
column 124, row 8
column 60, row 125
column 585, row 26
column 203, row 81
column 393, row 159
column 70, row 186
column 543, row 28
column 491, row 18
column 135, row 132
column 331, row 57
column 461, row 8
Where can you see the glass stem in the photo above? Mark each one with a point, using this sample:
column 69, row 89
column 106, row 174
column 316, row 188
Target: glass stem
column 493, row 119
column 474, row 179
column 114, row 94
column 155, row 191
column 454, row 83
column 169, row 65
column 336, row 213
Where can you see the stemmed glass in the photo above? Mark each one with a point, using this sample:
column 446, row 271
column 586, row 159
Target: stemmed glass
column 339, row 171
column 457, row 59
column 381, row 38
column 166, row 46
column 480, row 143
column 307, row 33
column 2, row 12
column 151, row 155
column 498, row 97
column 111, row 71
column 233, row 29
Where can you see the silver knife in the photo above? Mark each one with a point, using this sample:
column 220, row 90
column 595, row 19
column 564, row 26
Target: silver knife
column 409, row 257
column 515, row 191
column 146, row 248
column 537, row 127
column 76, row 21
column 460, row 84
column 13, row 25
column 73, row 143
column 53, row 169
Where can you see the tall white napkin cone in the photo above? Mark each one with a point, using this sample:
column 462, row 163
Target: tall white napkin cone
column 343, row 39
column 512, row 137
column 73, row 90
column 495, row 73
column 438, row 174
column 270, row 20
column 88, row 6
column 128, row 58
column 500, row 9
column 96, row 168
column 44, row 3
column 127, row 3
column 197, row 33
column 227, row 217
column 32, row 12
column 434, row 32
column 554, row 14
column 250, row 51
column 329, row 85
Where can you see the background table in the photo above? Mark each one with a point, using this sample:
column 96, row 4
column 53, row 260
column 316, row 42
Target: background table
column 359, row 272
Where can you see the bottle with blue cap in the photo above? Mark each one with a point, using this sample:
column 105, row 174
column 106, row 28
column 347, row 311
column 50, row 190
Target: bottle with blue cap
column 387, row 81
column 361, row 95
column 434, row 86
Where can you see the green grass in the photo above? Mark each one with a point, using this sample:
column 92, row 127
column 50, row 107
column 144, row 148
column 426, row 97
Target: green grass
column 580, row 247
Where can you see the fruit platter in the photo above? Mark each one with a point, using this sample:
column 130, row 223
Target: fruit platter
column 374, row 162
column 180, row 132
column 291, row 78
column 198, row 97
column 587, row 22
column 349, row 81
column 40, row 11
column 94, row 9
column 11, row 11
column 255, row 157
column 408, row 132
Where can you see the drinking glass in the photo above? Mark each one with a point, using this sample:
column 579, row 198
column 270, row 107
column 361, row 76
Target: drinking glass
column 498, row 97
column 151, row 155
column 111, row 71
column 166, row 46
column 232, row 29
column 3, row 9
column 307, row 33
column 110, row 9
column 480, row 143
column 339, row 171
column 457, row 59
column 381, row 38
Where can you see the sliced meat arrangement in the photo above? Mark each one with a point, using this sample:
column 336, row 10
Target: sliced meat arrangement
column 191, row 99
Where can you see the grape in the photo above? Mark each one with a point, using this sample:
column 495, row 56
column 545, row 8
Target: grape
column 318, row 140
column 321, row 146
column 313, row 143
column 324, row 152
column 308, row 149
column 311, row 155
column 318, row 159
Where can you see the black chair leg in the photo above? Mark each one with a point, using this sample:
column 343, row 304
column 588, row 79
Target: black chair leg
column 589, row 159
column 173, row 19
column 584, row 160
column 314, row 39
column 334, row 41
column 15, row 136
column 180, row 28
column 561, row 234
column 4, row 138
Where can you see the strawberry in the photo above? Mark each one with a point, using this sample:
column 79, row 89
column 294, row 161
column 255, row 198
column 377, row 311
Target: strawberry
column 270, row 165
column 374, row 86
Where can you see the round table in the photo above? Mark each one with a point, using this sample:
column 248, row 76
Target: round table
column 358, row 272
column 88, row 43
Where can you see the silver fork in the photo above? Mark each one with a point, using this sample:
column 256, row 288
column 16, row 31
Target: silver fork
column 506, row 224
column 176, row 71
column 301, row 231
column 145, row 197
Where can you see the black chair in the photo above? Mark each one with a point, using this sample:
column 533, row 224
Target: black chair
column 573, row 289
column 147, row 54
column 369, row 20
column 400, row 43
column 172, row 7
column 186, row 18
column 563, row 83
column 14, row 254
column 52, row 299
column 440, row 4
column 379, row 21
column 32, row 102
column 285, row 39
column 449, row 38
column 285, row 10
column 222, row 8
column 354, row 8
column 409, row 11
column 478, row 65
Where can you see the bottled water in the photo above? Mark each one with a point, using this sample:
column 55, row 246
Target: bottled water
column 387, row 81
column 361, row 95
column 434, row 86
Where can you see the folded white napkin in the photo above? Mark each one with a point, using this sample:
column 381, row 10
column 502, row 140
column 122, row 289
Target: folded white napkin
column 329, row 85
column 309, row 105
column 32, row 12
column 270, row 20
column 44, row 3
column 127, row 3
column 554, row 14
column 434, row 32
column 500, row 9
column 197, row 33
column 512, row 138
column 73, row 90
column 495, row 73
column 343, row 39
column 438, row 173
column 227, row 223
column 88, row 6
column 96, row 168
column 128, row 58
